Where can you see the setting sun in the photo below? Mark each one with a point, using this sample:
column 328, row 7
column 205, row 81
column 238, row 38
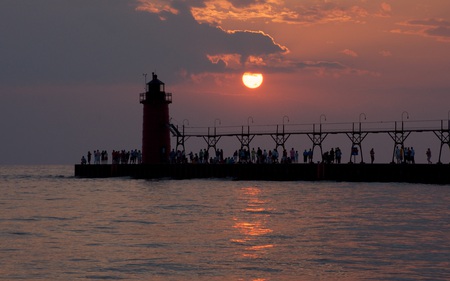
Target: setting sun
column 252, row 80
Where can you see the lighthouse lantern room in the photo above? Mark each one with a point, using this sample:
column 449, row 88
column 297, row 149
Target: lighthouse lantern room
column 155, row 131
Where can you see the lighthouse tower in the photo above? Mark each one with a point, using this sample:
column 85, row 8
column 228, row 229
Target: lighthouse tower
column 155, row 131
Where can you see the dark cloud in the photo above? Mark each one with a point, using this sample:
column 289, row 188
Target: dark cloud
column 322, row 64
column 439, row 31
column 54, row 41
column 246, row 3
column 437, row 28
column 430, row 22
column 70, row 41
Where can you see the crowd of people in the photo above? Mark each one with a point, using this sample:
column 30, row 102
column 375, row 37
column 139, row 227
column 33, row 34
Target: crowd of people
column 256, row 156
column 117, row 157
column 244, row 156
column 406, row 155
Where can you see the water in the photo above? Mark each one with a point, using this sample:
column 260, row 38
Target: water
column 57, row 227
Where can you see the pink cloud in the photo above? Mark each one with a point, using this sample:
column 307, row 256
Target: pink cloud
column 385, row 10
column 349, row 52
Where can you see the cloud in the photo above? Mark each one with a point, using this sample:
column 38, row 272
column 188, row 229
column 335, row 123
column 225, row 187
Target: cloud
column 64, row 41
column 330, row 13
column 228, row 60
column 386, row 7
column 309, row 12
column 246, row 3
column 385, row 10
column 241, row 49
column 217, row 11
column 438, row 29
column 349, row 52
column 321, row 68
column 321, row 64
column 157, row 7
column 115, row 41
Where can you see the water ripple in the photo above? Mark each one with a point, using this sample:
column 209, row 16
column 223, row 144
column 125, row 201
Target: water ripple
column 56, row 227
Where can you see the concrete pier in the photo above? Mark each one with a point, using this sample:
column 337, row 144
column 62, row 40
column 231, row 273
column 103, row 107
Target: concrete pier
column 415, row 173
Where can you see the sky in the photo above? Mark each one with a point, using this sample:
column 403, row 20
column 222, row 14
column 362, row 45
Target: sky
column 71, row 71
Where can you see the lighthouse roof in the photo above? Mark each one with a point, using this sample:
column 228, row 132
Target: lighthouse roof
column 155, row 80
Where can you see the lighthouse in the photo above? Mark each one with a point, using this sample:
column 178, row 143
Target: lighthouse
column 155, row 131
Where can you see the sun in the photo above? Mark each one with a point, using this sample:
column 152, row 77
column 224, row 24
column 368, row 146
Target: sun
column 252, row 80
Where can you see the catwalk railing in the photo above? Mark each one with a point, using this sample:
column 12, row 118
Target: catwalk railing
column 316, row 132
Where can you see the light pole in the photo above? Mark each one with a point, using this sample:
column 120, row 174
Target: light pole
column 183, row 125
column 215, row 120
column 407, row 117
column 448, row 120
column 248, row 123
column 361, row 114
column 320, row 120
column 285, row 117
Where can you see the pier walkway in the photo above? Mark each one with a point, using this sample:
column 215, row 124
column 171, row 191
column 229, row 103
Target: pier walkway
column 416, row 173
column 399, row 131
column 356, row 132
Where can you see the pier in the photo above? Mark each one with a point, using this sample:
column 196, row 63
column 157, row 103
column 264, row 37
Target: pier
column 158, row 128
column 320, row 170
column 417, row 173
column 356, row 132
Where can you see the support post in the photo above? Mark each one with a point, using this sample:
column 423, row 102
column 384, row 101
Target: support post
column 317, row 139
column 444, row 137
column 356, row 138
column 399, row 138
column 212, row 140
column 245, row 138
column 280, row 138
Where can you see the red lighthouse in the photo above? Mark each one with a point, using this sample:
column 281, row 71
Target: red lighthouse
column 155, row 131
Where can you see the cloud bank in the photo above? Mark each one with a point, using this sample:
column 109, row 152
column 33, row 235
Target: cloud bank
column 67, row 42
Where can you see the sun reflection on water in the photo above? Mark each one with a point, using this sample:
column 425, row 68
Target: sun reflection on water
column 252, row 223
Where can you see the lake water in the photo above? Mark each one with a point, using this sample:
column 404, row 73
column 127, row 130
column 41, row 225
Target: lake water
column 57, row 227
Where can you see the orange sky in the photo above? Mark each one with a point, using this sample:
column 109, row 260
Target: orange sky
column 335, row 57
column 71, row 73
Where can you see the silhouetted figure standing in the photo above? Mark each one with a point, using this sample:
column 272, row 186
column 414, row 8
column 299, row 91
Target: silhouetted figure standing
column 428, row 153
column 338, row 154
